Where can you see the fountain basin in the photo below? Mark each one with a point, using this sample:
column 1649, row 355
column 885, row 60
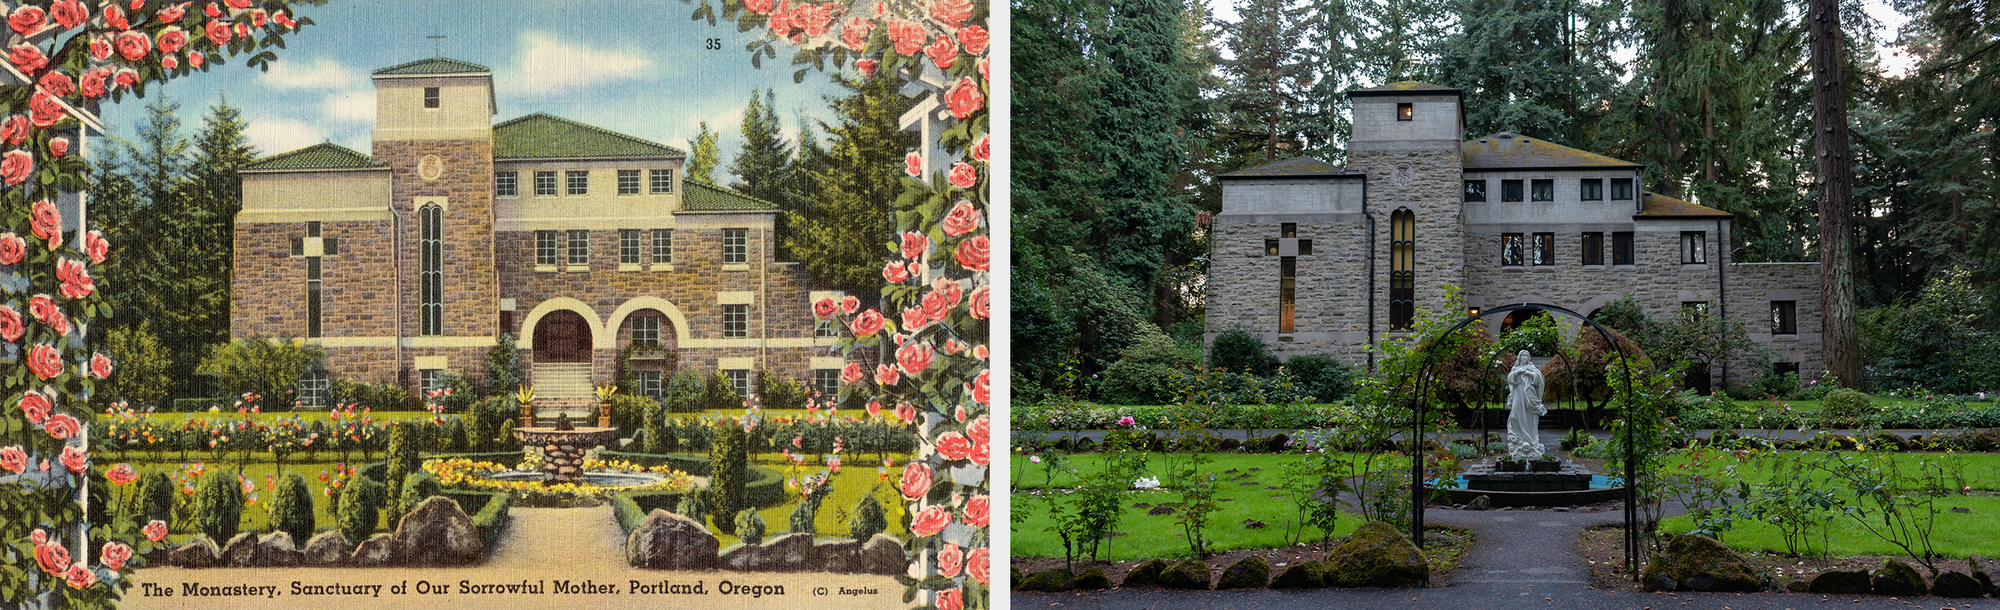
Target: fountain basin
column 1569, row 485
column 563, row 450
column 588, row 477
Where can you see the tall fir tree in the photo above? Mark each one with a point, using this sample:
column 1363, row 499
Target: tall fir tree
column 1540, row 68
column 839, row 236
column 703, row 156
column 1268, row 79
column 765, row 168
column 1138, row 143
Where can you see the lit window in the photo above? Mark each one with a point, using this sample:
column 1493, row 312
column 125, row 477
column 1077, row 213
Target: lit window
column 1475, row 190
column 1545, row 190
column 1621, row 189
column 663, row 180
column 1784, row 317
column 735, row 245
column 1545, row 249
column 628, row 182
column 1287, row 292
column 1593, row 248
column 545, row 247
column 545, row 184
column 628, row 246
column 1402, row 269
column 1591, row 189
column 506, row 184
column 663, row 246
column 1694, row 248
column 1405, row 112
column 735, row 321
column 1510, row 190
column 579, row 182
column 579, row 247
column 1510, row 249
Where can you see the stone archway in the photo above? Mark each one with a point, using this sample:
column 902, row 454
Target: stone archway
column 562, row 336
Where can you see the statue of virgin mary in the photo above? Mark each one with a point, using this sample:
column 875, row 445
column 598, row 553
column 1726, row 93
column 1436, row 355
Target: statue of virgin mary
column 1524, row 400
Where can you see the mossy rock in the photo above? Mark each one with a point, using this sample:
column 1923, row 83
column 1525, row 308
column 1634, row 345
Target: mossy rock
column 1016, row 572
column 1841, row 582
column 1377, row 555
column 1188, row 574
column 1091, row 579
column 1231, row 444
column 1307, row 575
column 1700, row 563
column 1251, row 572
column 1957, row 584
column 1798, row 586
column 1898, row 578
column 1889, row 441
column 1985, row 571
column 1145, row 574
column 1278, row 443
column 1052, row 581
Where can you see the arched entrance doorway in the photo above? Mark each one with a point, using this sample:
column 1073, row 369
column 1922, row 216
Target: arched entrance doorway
column 562, row 336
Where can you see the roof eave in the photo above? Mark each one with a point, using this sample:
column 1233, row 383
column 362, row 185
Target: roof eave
column 749, row 211
column 1724, row 216
column 1280, row 176
column 1541, row 168
column 1397, row 93
column 663, row 157
column 280, row 170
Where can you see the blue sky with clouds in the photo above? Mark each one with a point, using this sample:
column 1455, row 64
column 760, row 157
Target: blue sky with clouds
column 632, row 66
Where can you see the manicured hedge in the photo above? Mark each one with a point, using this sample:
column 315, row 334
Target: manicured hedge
column 1063, row 415
column 1933, row 415
column 762, row 486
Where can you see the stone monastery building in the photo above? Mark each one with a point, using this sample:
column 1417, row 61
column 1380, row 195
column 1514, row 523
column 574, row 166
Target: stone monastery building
column 407, row 263
column 1324, row 260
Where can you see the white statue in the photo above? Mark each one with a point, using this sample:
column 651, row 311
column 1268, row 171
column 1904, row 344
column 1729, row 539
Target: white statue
column 1524, row 400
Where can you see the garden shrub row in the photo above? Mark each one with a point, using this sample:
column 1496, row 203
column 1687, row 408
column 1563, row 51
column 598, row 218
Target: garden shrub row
column 694, row 434
column 1066, row 415
column 1936, row 414
column 762, row 486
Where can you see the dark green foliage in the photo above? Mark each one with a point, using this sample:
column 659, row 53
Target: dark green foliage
column 749, row 526
column 659, row 438
column 360, row 508
column 780, row 393
column 1934, row 341
column 218, row 504
column 717, row 394
column 1538, row 335
column 628, row 412
column 728, row 461
column 1237, row 350
column 1322, row 377
column 416, row 487
column 378, row 397
column 803, row 518
column 503, row 366
column 453, row 438
column 271, row 368
column 1846, row 403
column 694, row 506
column 156, row 496
column 292, row 508
column 840, row 239
column 143, row 363
column 868, row 519
column 684, row 391
column 405, row 446
column 1145, row 372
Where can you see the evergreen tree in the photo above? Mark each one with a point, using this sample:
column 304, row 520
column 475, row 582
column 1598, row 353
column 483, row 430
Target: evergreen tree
column 702, row 157
column 764, row 164
column 1532, row 66
column 1268, row 79
column 1137, row 142
column 839, row 236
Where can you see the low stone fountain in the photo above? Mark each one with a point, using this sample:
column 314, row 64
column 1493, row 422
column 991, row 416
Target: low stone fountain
column 563, row 447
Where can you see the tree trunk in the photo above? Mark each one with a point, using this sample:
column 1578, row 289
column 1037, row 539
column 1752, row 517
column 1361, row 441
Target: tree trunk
column 1834, row 165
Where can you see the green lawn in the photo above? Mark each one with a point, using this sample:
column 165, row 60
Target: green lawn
column 1956, row 534
column 1980, row 470
column 1243, row 495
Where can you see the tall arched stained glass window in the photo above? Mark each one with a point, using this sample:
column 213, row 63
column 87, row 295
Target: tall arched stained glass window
column 430, row 240
column 1402, row 269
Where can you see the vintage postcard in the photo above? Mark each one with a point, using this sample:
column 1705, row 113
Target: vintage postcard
column 466, row 304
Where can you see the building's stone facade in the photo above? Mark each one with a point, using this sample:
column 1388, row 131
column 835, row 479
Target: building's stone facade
column 369, row 249
column 1422, row 164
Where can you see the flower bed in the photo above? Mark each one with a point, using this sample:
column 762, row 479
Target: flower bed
column 463, row 473
column 1065, row 415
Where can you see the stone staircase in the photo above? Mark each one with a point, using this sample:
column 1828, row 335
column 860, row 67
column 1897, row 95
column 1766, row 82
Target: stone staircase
column 564, row 387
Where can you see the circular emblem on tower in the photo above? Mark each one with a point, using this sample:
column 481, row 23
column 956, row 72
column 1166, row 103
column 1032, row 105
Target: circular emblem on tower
column 1403, row 175
column 430, row 167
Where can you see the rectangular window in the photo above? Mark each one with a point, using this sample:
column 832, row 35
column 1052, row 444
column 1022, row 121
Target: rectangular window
column 1475, row 190
column 628, row 246
column 1699, row 308
column 579, row 182
column 545, row 247
column 312, row 228
column 645, row 330
column 1288, row 230
column 1787, row 370
column 1305, row 247
column 430, row 380
column 313, row 295
column 663, row 246
column 628, row 182
column 662, row 179
column 329, row 246
column 827, row 382
column 825, row 328
column 1784, row 317
column 1591, row 189
column 431, row 97
column 579, row 247
column 298, row 246
column 506, row 184
column 1270, row 247
column 649, row 383
column 545, row 184
column 430, row 273
column 1694, row 248
column 735, row 245
column 1621, row 189
column 735, row 321
column 739, row 382
column 1405, row 111
column 1510, row 249
column 1545, row 190
column 1510, row 190
column 1621, row 248
column 1593, row 248
column 1287, row 292
column 313, row 387
column 1545, row 249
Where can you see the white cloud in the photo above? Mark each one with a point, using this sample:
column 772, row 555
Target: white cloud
column 356, row 106
column 548, row 65
column 317, row 73
column 273, row 136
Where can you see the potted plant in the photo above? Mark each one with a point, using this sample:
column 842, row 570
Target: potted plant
column 604, row 393
column 527, row 395
column 1548, row 463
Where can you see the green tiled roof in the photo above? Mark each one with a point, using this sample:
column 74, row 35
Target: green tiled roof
column 542, row 136
column 318, row 156
column 434, row 65
column 1656, row 205
column 704, row 198
column 1510, row 151
column 1296, row 167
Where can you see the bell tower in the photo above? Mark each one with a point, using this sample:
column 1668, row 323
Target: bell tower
column 1407, row 137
